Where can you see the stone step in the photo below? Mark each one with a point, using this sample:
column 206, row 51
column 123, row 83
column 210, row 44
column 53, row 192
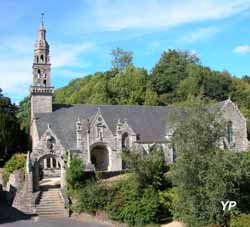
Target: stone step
column 51, row 199
column 49, row 205
column 41, row 210
column 51, row 214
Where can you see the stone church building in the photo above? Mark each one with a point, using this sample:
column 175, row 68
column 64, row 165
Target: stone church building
column 99, row 134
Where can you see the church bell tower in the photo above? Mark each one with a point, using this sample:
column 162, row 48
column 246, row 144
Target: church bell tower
column 41, row 90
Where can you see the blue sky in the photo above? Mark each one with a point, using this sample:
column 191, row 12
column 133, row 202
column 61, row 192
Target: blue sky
column 82, row 33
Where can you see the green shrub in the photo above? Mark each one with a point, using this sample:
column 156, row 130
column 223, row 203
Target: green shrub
column 91, row 198
column 75, row 176
column 167, row 200
column 241, row 221
column 148, row 170
column 16, row 162
column 134, row 206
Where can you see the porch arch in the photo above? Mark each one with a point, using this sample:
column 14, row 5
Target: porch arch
column 55, row 169
column 100, row 156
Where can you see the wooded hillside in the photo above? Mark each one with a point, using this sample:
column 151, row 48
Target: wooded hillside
column 176, row 76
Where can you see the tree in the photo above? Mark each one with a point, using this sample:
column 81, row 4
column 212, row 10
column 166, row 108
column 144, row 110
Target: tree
column 23, row 114
column 170, row 70
column 12, row 138
column 121, row 59
column 130, row 87
column 201, row 176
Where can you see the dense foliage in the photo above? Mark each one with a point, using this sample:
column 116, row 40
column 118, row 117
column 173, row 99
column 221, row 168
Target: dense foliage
column 134, row 200
column 91, row 198
column 23, row 114
column 12, row 138
column 203, row 174
column 16, row 162
column 75, row 175
column 241, row 221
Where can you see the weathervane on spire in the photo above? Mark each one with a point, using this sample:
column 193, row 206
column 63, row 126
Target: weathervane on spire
column 42, row 15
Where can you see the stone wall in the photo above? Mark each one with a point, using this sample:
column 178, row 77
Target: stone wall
column 41, row 103
column 14, row 184
column 230, row 112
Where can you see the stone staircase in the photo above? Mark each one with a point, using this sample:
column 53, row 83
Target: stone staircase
column 50, row 203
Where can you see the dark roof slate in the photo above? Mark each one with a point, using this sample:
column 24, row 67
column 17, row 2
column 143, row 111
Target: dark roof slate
column 149, row 122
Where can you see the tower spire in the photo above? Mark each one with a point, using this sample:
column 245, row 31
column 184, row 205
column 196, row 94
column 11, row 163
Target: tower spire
column 42, row 16
column 41, row 90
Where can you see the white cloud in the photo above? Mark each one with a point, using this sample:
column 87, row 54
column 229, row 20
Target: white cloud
column 200, row 34
column 68, row 54
column 116, row 15
column 242, row 49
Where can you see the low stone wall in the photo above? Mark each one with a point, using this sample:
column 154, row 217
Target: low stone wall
column 47, row 173
column 15, row 183
column 108, row 174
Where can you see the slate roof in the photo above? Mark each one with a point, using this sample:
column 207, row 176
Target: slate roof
column 150, row 123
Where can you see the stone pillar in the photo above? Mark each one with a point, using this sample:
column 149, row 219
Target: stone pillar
column 88, row 150
column 57, row 164
column 62, row 177
column 45, row 163
column 51, row 163
column 79, row 145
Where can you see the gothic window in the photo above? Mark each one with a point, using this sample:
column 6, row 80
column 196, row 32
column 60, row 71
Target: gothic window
column 229, row 132
column 42, row 58
column 44, row 82
column 125, row 141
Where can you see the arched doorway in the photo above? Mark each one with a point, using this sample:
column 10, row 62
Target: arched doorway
column 48, row 170
column 100, row 157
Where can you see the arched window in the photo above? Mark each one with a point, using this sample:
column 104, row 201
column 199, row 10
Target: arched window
column 38, row 73
column 125, row 141
column 230, row 132
column 41, row 58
